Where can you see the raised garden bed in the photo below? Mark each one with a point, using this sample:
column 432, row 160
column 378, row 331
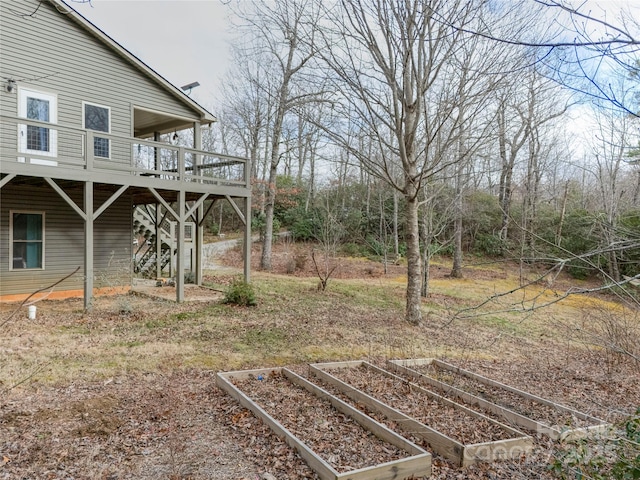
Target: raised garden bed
column 515, row 406
column 336, row 440
column 459, row 434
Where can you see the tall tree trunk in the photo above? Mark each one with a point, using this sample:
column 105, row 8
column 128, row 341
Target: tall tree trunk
column 456, row 270
column 426, row 266
column 506, row 174
column 267, row 241
column 382, row 231
column 254, row 153
column 265, row 260
column 414, row 275
column 264, row 186
column 396, row 245
column 427, row 239
column 532, row 187
column 312, row 180
column 563, row 210
column 508, row 148
column 367, row 200
column 303, row 146
column 614, row 268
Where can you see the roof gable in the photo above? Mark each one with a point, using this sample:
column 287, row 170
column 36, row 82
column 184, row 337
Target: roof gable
column 128, row 57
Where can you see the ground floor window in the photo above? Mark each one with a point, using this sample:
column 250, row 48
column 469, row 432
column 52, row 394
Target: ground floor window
column 26, row 230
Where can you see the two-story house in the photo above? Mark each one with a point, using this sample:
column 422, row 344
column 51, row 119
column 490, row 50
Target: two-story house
column 81, row 164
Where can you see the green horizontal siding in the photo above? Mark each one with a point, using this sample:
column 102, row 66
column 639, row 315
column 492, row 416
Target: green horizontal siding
column 50, row 52
column 64, row 240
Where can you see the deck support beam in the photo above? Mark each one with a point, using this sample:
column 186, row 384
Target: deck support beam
column 109, row 201
column 245, row 218
column 7, row 179
column 68, row 199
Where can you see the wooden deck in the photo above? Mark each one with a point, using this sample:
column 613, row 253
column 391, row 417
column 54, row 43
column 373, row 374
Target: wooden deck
column 132, row 162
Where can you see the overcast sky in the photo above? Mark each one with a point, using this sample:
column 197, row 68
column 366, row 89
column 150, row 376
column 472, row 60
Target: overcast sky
column 183, row 40
column 187, row 40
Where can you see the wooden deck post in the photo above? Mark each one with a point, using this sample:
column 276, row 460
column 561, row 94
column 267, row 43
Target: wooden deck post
column 180, row 248
column 199, row 237
column 158, row 243
column 247, row 222
column 247, row 239
column 88, row 244
column 158, row 219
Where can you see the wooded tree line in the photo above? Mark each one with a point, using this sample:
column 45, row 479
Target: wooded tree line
column 437, row 126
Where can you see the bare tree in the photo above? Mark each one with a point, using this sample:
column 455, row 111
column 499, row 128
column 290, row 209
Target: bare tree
column 580, row 47
column 396, row 83
column 476, row 64
column 247, row 108
column 610, row 148
column 329, row 237
column 436, row 210
column 522, row 111
column 275, row 35
column 544, row 148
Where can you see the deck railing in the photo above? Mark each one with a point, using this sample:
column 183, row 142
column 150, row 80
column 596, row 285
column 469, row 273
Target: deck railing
column 50, row 145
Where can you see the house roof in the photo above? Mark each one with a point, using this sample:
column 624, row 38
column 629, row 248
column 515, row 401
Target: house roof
column 62, row 6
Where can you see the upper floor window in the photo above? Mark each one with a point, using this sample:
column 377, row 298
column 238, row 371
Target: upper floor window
column 98, row 118
column 26, row 230
column 41, row 107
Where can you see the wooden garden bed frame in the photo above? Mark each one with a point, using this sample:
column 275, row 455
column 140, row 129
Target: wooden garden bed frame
column 555, row 433
column 417, row 464
column 449, row 448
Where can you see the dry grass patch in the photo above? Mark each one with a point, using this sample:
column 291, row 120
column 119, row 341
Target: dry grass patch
column 157, row 359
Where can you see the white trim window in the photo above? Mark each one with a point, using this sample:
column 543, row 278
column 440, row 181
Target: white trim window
column 37, row 139
column 26, row 240
column 97, row 118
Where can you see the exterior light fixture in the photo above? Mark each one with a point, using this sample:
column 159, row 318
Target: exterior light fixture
column 11, row 85
column 190, row 86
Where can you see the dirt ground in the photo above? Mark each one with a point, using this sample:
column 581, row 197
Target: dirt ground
column 192, row 293
column 174, row 423
column 179, row 425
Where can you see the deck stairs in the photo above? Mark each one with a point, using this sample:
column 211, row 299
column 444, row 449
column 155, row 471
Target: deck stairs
column 145, row 260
